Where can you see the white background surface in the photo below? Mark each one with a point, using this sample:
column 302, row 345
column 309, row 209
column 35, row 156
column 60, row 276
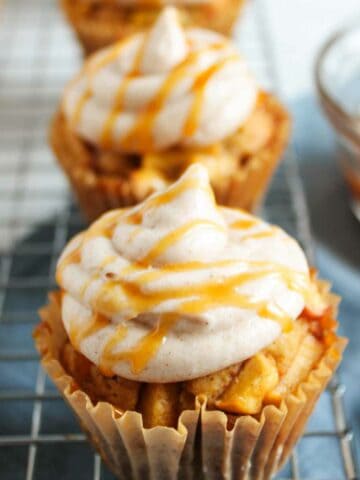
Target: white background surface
column 299, row 27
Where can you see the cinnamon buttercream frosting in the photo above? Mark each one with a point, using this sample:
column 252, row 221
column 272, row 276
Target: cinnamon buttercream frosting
column 178, row 287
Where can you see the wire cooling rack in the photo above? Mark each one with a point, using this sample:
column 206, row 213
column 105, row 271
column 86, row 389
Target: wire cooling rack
column 39, row 438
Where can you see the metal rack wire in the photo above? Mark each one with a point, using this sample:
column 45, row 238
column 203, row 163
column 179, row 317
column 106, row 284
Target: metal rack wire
column 38, row 435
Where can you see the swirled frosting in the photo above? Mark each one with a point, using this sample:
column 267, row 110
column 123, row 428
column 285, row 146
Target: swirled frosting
column 161, row 88
column 177, row 287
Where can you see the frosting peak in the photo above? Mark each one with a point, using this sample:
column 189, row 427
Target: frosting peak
column 162, row 88
column 163, row 214
column 165, row 45
column 151, row 290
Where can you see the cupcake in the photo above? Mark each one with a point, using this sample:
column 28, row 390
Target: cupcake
column 141, row 111
column 99, row 23
column 189, row 338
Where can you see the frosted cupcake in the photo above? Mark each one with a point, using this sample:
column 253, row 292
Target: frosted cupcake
column 99, row 23
column 140, row 112
column 188, row 337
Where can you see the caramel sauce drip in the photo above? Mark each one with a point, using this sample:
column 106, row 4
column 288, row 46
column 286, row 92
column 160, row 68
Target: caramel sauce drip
column 173, row 237
column 91, row 69
column 78, row 334
column 247, row 223
column 244, row 223
column 140, row 355
column 107, row 356
column 106, row 136
column 196, row 298
column 73, row 257
column 144, row 125
column 80, row 107
column 262, row 234
column 120, row 96
column 104, row 227
column 136, row 67
column 199, row 88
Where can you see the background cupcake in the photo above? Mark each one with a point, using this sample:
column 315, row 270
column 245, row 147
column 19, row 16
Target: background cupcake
column 201, row 321
column 99, row 23
column 140, row 112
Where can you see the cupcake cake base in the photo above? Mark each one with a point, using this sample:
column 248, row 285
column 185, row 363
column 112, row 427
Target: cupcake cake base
column 202, row 440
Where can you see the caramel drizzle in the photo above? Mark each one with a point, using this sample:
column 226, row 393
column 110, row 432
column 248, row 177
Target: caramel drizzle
column 140, row 355
column 261, row 234
column 110, row 56
column 73, row 257
column 107, row 355
column 194, row 299
column 80, row 107
column 101, row 228
column 247, row 223
column 120, row 95
column 136, row 68
column 199, row 88
column 173, row 237
column 140, row 135
column 111, row 119
column 207, row 296
column 197, row 299
column 144, row 125
column 244, row 223
column 90, row 69
column 104, row 227
column 78, row 334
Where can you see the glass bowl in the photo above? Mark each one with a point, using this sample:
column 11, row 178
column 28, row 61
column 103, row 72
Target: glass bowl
column 337, row 77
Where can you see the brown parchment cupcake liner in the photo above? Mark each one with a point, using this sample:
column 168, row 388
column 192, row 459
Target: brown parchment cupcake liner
column 205, row 443
column 98, row 24
column 98, row 192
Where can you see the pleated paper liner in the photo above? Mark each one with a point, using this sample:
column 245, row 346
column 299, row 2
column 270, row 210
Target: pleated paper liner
column 98, row 193
column 100, row 27
column 204, row 442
